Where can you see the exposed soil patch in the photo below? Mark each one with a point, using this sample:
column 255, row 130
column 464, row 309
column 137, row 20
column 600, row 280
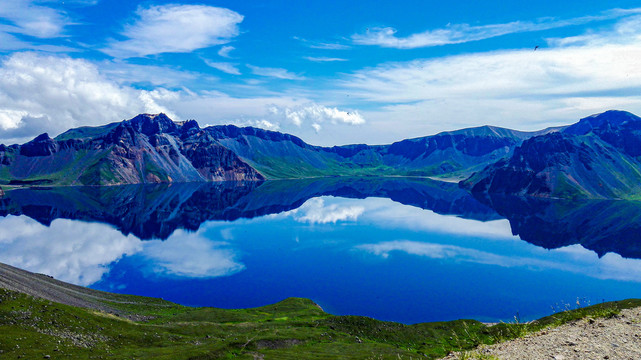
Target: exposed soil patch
column 617, row 337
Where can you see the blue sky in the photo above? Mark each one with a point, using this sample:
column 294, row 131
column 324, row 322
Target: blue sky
column 331, row 72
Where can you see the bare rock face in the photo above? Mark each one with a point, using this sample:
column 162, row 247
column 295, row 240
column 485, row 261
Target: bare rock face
column 217, row 163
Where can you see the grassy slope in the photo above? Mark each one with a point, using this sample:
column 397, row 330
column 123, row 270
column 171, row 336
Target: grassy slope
column 145, row 328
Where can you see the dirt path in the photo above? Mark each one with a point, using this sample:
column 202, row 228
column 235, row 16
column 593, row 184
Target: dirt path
column 618, row 337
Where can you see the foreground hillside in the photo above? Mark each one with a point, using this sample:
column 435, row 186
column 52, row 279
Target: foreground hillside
column 67, row 321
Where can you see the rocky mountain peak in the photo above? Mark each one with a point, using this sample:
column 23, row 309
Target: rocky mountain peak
column 152, row 124
column 42, row 145
column 611, row 119
column 41, row 137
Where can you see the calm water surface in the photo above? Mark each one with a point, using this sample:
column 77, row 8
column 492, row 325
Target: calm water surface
column 393, row 249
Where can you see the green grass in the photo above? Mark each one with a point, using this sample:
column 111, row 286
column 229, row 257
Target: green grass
column 291, row 329
column 151, row 168
column 295, row 168
column 86, row 132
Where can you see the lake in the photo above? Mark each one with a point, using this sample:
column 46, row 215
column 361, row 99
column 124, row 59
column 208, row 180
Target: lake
column 400, row 249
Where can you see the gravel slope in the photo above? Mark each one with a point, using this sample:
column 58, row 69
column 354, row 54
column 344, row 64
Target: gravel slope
column 46, row 287
column 613, row 338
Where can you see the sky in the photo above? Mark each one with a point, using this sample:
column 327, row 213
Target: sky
column 330, row 72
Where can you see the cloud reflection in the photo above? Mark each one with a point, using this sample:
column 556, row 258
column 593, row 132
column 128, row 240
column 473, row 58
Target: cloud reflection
column 315, row 211
column 386, row 213
column 82, row 253
column 191, row 255
column 574, row 258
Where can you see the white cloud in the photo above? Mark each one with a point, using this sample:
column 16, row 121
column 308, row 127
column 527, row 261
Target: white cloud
column 323, row 59
column 80, row 255
column 461, row 33
column 29, row 18
column 191, row 255
column 317, row 114
column 625, row 31
column 229, row 68
column 225, row 50
column 329, row 46
column 322, row 45
column 275, row 73
column 176, row 28
column 52, row 94
column 10, row 42
column 521, row 89
column 127, row 74
column 315, row 211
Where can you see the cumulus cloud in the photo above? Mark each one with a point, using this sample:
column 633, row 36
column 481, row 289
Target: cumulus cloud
column 191, row 255
column 81, row 254
column 46, row 93
column 315, row 115
column 176, row 28
column 51, row 94
column 461, row 33
column 277, row 73
column 226, row 67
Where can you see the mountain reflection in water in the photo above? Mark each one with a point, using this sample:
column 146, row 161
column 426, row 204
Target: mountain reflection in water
column 401, row 249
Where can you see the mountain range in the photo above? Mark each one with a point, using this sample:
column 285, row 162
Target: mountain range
column 598, row 157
